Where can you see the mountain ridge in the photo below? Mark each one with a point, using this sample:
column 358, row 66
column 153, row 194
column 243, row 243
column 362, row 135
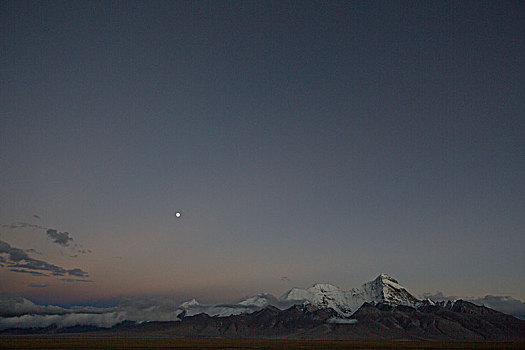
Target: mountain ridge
column 379, row 308
column 459, row 321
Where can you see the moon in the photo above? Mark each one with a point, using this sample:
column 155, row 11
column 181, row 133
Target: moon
column 178, row 214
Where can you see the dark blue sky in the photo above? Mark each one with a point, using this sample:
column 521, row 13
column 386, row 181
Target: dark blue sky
column 319, row 141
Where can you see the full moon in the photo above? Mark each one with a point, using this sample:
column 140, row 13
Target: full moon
column 177, row 214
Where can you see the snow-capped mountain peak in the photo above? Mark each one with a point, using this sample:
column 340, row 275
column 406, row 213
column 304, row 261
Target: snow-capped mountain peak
column 383, row 289
column 386, row 289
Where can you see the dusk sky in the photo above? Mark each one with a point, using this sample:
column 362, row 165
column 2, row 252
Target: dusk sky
column 302, row 142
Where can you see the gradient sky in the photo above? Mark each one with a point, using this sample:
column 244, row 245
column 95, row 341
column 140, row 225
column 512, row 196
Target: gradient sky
column 321, row 141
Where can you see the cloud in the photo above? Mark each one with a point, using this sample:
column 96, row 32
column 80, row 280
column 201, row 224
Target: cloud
column 16, row 254
column 22, row 313
column 14, row 305
column 77, row 272
column 18, row 312
column 105, row 320
column 505, row 304
column 22, row 225
column 83, row 250
column 34, row 273
column 34, row 264
column 31, row 250
column 74, row 280
column 36, row 216
column 18, row 261
column 4, row 247
column 61, row 238
column 341, row 320
column 37, row 285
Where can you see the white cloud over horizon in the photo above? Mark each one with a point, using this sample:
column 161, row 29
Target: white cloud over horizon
column 501, row 303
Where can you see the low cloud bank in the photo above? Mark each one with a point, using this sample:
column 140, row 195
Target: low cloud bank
column 18, row 312
column 505, row 304
column 341, row 320
column 104, row 320
column 15, row 305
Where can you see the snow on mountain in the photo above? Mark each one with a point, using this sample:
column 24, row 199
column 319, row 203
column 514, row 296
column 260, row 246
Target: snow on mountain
column 18, row 312
column 384, row 289
column 321, row 295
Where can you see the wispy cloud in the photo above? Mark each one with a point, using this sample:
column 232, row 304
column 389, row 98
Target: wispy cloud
column 35, row 264
column 71, row 280
column 34, row 273
column 77, row 273
column 83, row 250
column 63, row 239
column 16, row 225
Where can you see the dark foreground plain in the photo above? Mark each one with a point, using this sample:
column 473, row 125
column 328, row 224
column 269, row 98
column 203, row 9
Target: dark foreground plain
column 74, row 342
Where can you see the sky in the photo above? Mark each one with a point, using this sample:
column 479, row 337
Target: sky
column 302, row 142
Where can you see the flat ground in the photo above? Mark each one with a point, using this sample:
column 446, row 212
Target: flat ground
column 68, row 342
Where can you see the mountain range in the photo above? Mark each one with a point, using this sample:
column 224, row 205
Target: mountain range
column 379, row 309
column 384, row 289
